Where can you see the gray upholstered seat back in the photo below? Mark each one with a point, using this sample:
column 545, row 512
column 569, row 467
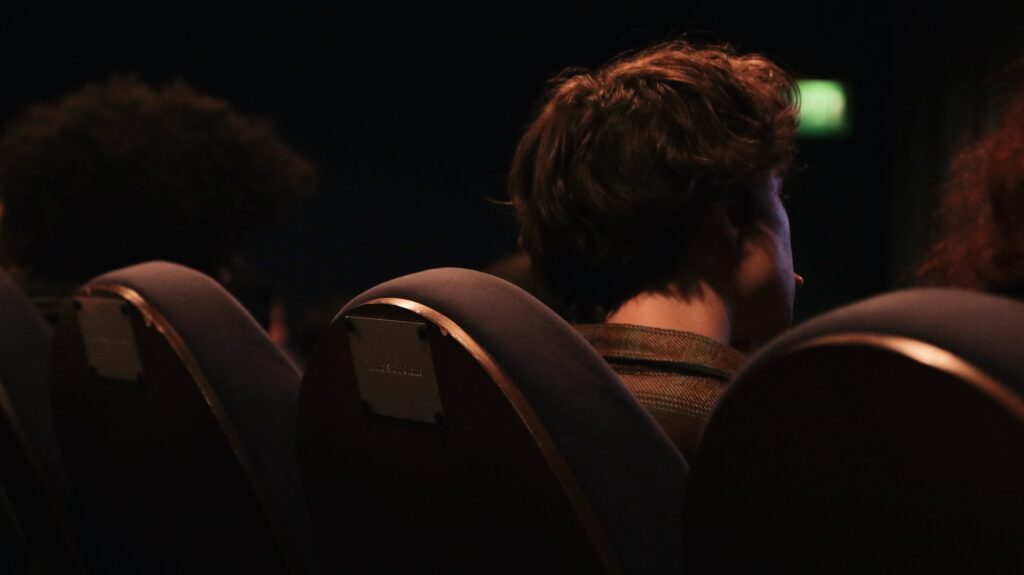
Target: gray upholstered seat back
column 983, row 329
column 626, row 467
column 32, row 478
column 884, row 436
column 24, row 371
column 246, row 385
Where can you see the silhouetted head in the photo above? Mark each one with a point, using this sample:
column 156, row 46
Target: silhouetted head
column 122, row 172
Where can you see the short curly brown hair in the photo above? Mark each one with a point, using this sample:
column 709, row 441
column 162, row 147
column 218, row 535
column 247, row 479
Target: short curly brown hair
column 981, row 220
column 618, row 169
column 120, row 172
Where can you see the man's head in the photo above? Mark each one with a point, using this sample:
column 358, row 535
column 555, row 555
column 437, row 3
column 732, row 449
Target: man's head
column 659, row 171
column 121, row 172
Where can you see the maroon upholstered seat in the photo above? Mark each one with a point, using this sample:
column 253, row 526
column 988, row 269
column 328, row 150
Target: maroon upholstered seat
column 176, row 415
column 449, row 422
column 883, row 437
column 35, row 531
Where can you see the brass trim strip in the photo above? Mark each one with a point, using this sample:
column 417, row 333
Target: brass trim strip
column 155, row 319
column 529, row 418
column 930, row 355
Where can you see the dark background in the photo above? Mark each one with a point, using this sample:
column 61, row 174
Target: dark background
column 411, row 114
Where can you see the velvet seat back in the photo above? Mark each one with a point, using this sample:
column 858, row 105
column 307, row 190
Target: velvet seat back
column 35, row 526
column 882, row 437
column 539, row 458
column 185, row 462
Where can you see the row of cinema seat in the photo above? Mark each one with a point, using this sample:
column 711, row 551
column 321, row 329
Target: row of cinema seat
column 448, row 422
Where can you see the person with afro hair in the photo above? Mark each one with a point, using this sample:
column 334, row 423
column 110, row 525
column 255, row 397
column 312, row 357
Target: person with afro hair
column 122, row 172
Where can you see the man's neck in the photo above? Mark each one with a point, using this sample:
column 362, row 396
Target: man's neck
column 704, row 313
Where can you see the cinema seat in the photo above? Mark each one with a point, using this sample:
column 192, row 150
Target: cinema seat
column 450, row 423
column 175, row 413
column 35, row 533
column 884, row 437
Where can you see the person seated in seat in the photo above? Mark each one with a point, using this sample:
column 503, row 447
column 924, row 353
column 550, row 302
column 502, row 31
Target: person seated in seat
column 648, row 197
column 980, row 243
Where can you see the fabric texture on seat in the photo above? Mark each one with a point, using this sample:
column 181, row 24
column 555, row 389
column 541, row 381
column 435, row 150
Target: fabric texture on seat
column 24, row 372
column 624, row 463
column 983, row 329
column 254, row 381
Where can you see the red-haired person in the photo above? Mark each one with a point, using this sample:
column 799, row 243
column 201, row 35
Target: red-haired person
column 981, row 241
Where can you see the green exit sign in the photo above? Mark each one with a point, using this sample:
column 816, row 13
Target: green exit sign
column 824, row 109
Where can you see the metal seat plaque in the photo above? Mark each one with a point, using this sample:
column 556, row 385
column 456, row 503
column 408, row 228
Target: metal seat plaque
column 394, row 368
